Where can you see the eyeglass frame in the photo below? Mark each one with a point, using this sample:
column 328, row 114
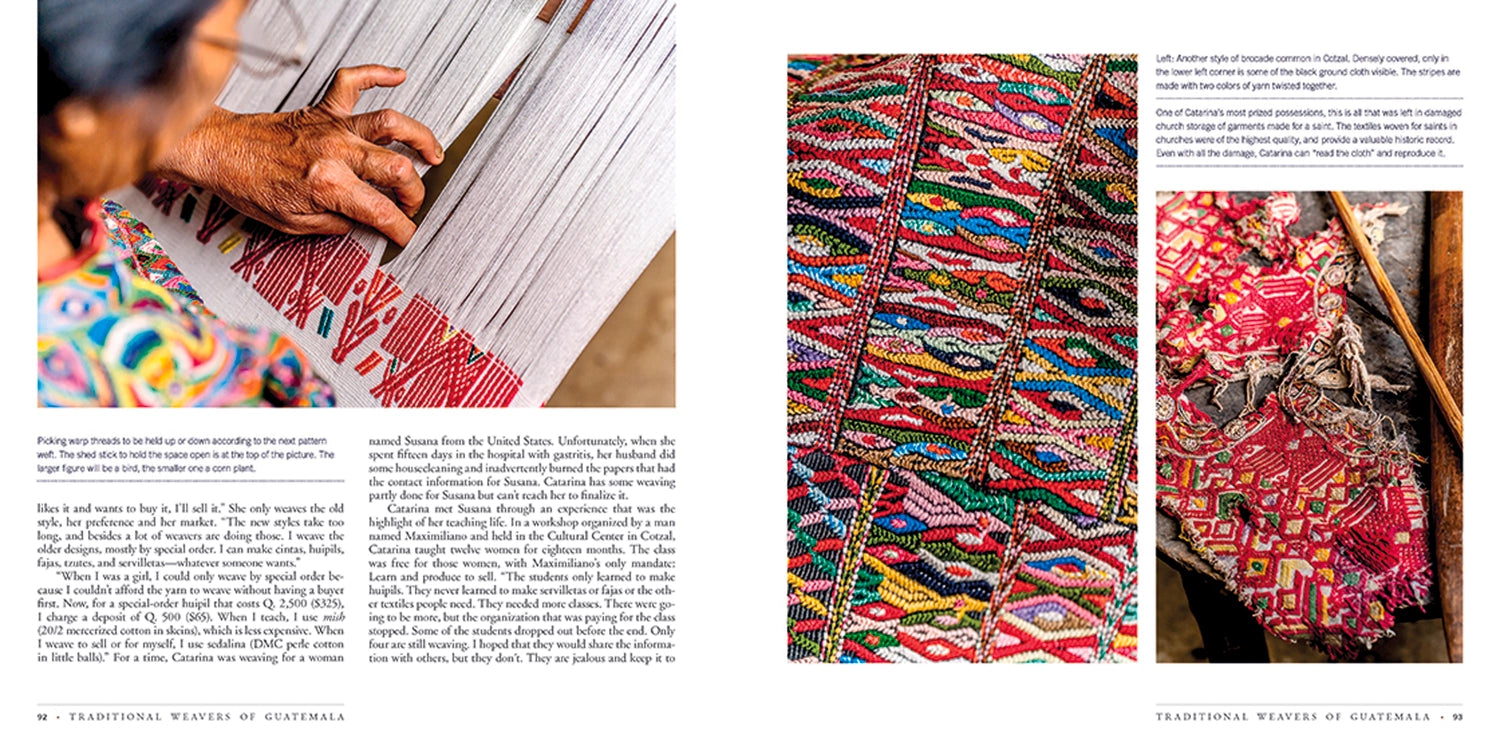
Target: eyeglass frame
column 280, row 62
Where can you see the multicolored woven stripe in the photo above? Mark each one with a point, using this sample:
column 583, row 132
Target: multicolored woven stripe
column 124, row 328
column 1308, row 506
column 960, row 358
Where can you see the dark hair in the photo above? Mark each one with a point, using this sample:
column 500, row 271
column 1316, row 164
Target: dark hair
column 109, row 47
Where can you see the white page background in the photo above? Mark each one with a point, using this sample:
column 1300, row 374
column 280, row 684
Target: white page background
column 731, row 686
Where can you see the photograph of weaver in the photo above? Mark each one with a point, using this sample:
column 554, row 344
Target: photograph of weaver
column 961, row 349
column 1309, row 434
column 430, row 203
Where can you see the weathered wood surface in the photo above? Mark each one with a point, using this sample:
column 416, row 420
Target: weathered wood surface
column 1445, row 331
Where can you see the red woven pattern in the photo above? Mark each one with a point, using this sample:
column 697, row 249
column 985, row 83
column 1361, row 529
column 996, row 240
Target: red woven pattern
column 1306, row 505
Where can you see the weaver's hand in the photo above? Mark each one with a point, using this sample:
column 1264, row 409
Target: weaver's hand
column 315, row 170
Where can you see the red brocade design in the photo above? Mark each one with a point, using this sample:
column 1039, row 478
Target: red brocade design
column 1307, row 505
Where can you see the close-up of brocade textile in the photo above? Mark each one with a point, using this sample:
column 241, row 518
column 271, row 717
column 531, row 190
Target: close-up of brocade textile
column 961, row 350
column 1306, row 502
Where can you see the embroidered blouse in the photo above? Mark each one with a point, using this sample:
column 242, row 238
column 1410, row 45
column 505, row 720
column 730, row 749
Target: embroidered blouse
column 118, row 325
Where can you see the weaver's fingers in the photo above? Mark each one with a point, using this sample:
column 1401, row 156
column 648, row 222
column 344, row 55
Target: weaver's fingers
column 343, row 94
column 386, row 125
column 318, row 224
column 293, row 223
column 336, row 188
column 389, row 169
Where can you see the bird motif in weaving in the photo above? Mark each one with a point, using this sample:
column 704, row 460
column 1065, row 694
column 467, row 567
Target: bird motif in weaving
column 403, row 349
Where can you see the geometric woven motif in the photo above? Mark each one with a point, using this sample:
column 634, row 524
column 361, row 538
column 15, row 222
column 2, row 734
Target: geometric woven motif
column 961, row 348
column 1306, row 502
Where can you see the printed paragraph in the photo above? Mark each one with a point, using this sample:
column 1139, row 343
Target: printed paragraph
column 520, row 549
column 1343, row 110
column 190, row 581
column 156, row 457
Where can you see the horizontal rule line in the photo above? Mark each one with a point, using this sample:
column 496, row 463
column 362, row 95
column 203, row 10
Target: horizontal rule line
column 1318, row 166
column 1329, row 705
column 191, row 481
column 1313, row 98
column 186, row 705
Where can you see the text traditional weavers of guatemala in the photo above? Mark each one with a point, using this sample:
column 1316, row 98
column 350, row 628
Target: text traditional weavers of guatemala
column 961, row 249
column 563, row 199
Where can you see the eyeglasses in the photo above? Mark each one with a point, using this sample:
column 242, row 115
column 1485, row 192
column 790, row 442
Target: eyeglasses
column 257, row 47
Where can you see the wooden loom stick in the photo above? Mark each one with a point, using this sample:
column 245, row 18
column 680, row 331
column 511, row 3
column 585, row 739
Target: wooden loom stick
column 549, row 10
column 574, row 25
column 1445, row 330
column 1435, row 384
column 504, row 87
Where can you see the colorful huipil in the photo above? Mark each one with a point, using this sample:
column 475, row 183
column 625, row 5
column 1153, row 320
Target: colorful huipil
column 122, row 327
column 961, row 253
column 1306, row 504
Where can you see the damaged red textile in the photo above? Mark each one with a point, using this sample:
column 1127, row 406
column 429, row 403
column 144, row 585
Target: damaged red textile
column 1306, row 503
